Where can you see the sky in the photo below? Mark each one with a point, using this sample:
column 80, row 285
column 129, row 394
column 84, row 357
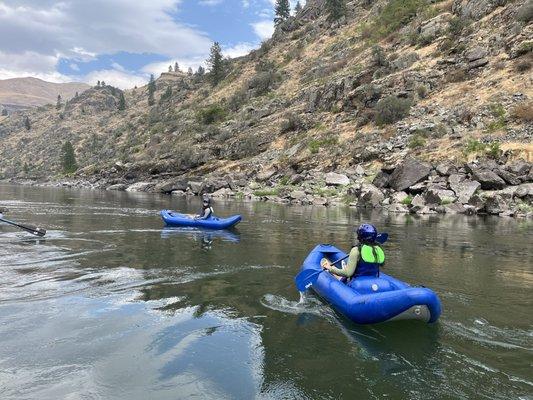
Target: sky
column 122, row 42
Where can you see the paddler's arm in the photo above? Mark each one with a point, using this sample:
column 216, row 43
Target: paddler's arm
column 349, row 269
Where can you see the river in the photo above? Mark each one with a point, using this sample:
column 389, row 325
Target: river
column 111, row 305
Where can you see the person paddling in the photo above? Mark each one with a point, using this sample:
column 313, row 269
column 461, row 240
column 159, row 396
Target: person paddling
column 365, row 259
column 207, row 211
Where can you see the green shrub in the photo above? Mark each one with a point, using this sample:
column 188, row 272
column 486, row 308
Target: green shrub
column 292, row 122
column 237, row 100
column 498, row 112
column 525, row 13
column 392, row 109
column 523, row 66
column 263, row 82
column 266, row 192
column 315, row 145
column 422, row 91
column 211, row 114
column 493, row 150
column 416, row 141
column 394, row 15
column 457, row 25
column 407, row 201
column 525, row 48
column 474, row 146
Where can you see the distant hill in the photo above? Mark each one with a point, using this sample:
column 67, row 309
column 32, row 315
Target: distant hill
column 19, row 93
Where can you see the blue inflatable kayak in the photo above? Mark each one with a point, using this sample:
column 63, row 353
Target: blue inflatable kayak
column 175, row 219
column 369, row 299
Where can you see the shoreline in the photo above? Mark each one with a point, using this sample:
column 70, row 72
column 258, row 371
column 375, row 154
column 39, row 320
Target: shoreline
column 430, row 197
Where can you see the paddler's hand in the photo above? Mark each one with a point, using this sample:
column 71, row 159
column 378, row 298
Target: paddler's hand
column 325, row 264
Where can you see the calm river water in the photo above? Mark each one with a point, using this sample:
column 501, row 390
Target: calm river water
column 111, row 305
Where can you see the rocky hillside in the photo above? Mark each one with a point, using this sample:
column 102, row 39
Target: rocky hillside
column 322, row 112
column 21, row 93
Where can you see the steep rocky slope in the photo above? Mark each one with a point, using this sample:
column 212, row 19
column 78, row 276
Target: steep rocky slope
column 20, row 93
column 444, row 83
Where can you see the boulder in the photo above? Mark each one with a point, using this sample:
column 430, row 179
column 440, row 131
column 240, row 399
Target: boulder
column 296, row 179
column 418, row 188
column 455, row 208
column 398, row 197
column 334, row 179
column 437, row 195
column 118, row 187
column 370, row 196
column 508, row 177
column 266, row 174
column 140, row 187
column 223, row 192
column 320, row 201
column 409, row 173
column 464, row 189
column 476, row 53
column 398, row 208
column 495, row 204
column 170, row 186
column 196, row 187
column 426, row 210
column 488, row 179
column 475, row 9
column 297, row 195
column 179, row 193
column 446, row 169
column 524, row 190
column 478, row 63
column 418, row 201
column 519, row 168
column 381, row 180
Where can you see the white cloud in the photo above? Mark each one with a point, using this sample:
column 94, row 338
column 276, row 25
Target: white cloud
column 40, row 33
column 120, row 79
column 263, row 29
column 210, row 2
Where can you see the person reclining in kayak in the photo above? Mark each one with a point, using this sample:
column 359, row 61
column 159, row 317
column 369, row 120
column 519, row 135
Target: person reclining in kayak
column 207, row 211
column 365, row 259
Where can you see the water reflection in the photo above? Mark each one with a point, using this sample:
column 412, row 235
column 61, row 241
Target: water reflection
column 203, row 237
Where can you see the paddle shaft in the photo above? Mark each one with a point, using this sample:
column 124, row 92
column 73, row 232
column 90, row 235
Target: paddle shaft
column 28, row 228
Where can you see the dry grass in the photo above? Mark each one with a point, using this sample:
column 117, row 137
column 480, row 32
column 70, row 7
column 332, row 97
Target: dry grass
column 523, row 112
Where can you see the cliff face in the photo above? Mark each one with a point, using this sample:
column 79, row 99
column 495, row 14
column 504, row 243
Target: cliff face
column 447, row 80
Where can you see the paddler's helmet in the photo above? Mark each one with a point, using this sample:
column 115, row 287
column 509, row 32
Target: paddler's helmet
column 206, row 200
column 367, row 233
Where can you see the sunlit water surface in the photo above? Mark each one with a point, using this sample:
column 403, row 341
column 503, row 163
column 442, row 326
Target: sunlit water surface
column 111, row 305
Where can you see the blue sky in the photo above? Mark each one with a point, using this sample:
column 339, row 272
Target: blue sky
column 123, row 41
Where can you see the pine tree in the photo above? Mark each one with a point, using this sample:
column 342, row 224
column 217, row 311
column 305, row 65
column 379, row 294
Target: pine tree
column 298, row 7
column 189, row 71
column 336, row 9
column 216, row 64
column 68, row 159
column 151, row 90
column 58, row 103
column 176, row 67
column 121, row 102
column 201, row 71
column 170, row 68
column 167, row 95
column 98, row 84
column 27, row 123
column 282, row 10
column 76, row 95
column 103, row 83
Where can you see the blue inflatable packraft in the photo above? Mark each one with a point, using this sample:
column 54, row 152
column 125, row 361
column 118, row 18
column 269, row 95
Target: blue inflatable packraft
column 371, row 299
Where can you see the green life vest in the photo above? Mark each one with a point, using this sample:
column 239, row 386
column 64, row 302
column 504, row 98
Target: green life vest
column 371, row 258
